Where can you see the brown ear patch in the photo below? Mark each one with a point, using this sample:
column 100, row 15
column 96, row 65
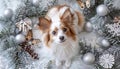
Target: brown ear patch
column 80, row 19
column 67, row 16
column 44, row 24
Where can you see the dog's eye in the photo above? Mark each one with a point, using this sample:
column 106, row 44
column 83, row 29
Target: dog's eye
column 53, row 32
column 64, row 29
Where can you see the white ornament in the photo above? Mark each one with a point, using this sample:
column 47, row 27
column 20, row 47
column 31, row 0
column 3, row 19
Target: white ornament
column 8, row 13
column 107, row 60
column 88, row 27
column 35, row 3
column 89, row 58
column 24, row 25
column 105, row 43
column 102, row 10
column 20, row 38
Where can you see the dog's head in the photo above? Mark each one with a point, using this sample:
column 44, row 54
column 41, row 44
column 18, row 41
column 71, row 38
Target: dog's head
column 58, row 25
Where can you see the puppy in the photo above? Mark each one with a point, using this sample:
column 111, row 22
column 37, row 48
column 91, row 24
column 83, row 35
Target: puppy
column 60, row 28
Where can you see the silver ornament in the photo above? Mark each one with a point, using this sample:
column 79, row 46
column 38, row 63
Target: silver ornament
column 8, row 13
column 105, row 43
column 35, row 3
column 102, row 10
column 20, row 38
column 88, row 27
column 89, row 58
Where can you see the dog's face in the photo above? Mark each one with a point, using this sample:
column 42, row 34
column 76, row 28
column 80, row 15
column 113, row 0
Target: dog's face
column 58, row 26
column 62, row 32
column 59, row 34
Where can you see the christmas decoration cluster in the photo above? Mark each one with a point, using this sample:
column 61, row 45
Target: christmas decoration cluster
column 99, row 43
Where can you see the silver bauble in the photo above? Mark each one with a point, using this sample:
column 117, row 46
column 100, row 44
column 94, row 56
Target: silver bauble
column 102, row 10
column 20, row 38
column 105, row 43
column 88, row 27
column 8, row 13
column 35, row 3
column 89, row 58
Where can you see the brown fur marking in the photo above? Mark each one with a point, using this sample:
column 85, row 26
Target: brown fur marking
column 56, row 30
column 67, row 17
column 47, row 39
column 80, row 19
column 44, row 24
column 70, row 31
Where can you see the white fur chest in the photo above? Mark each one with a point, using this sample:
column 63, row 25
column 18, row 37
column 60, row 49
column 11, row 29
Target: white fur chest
column 65, row 51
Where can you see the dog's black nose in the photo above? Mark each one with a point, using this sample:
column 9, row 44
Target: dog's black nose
column 61, row 38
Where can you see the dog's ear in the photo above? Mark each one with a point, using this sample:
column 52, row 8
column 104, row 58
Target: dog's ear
column 81, row 20
column 67, row 16
column 44, row 24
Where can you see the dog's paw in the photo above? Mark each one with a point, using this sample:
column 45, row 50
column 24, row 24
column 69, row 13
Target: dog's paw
column 58, row 63
column 68, row 63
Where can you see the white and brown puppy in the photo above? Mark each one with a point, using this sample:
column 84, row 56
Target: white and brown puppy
column 60, row 28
